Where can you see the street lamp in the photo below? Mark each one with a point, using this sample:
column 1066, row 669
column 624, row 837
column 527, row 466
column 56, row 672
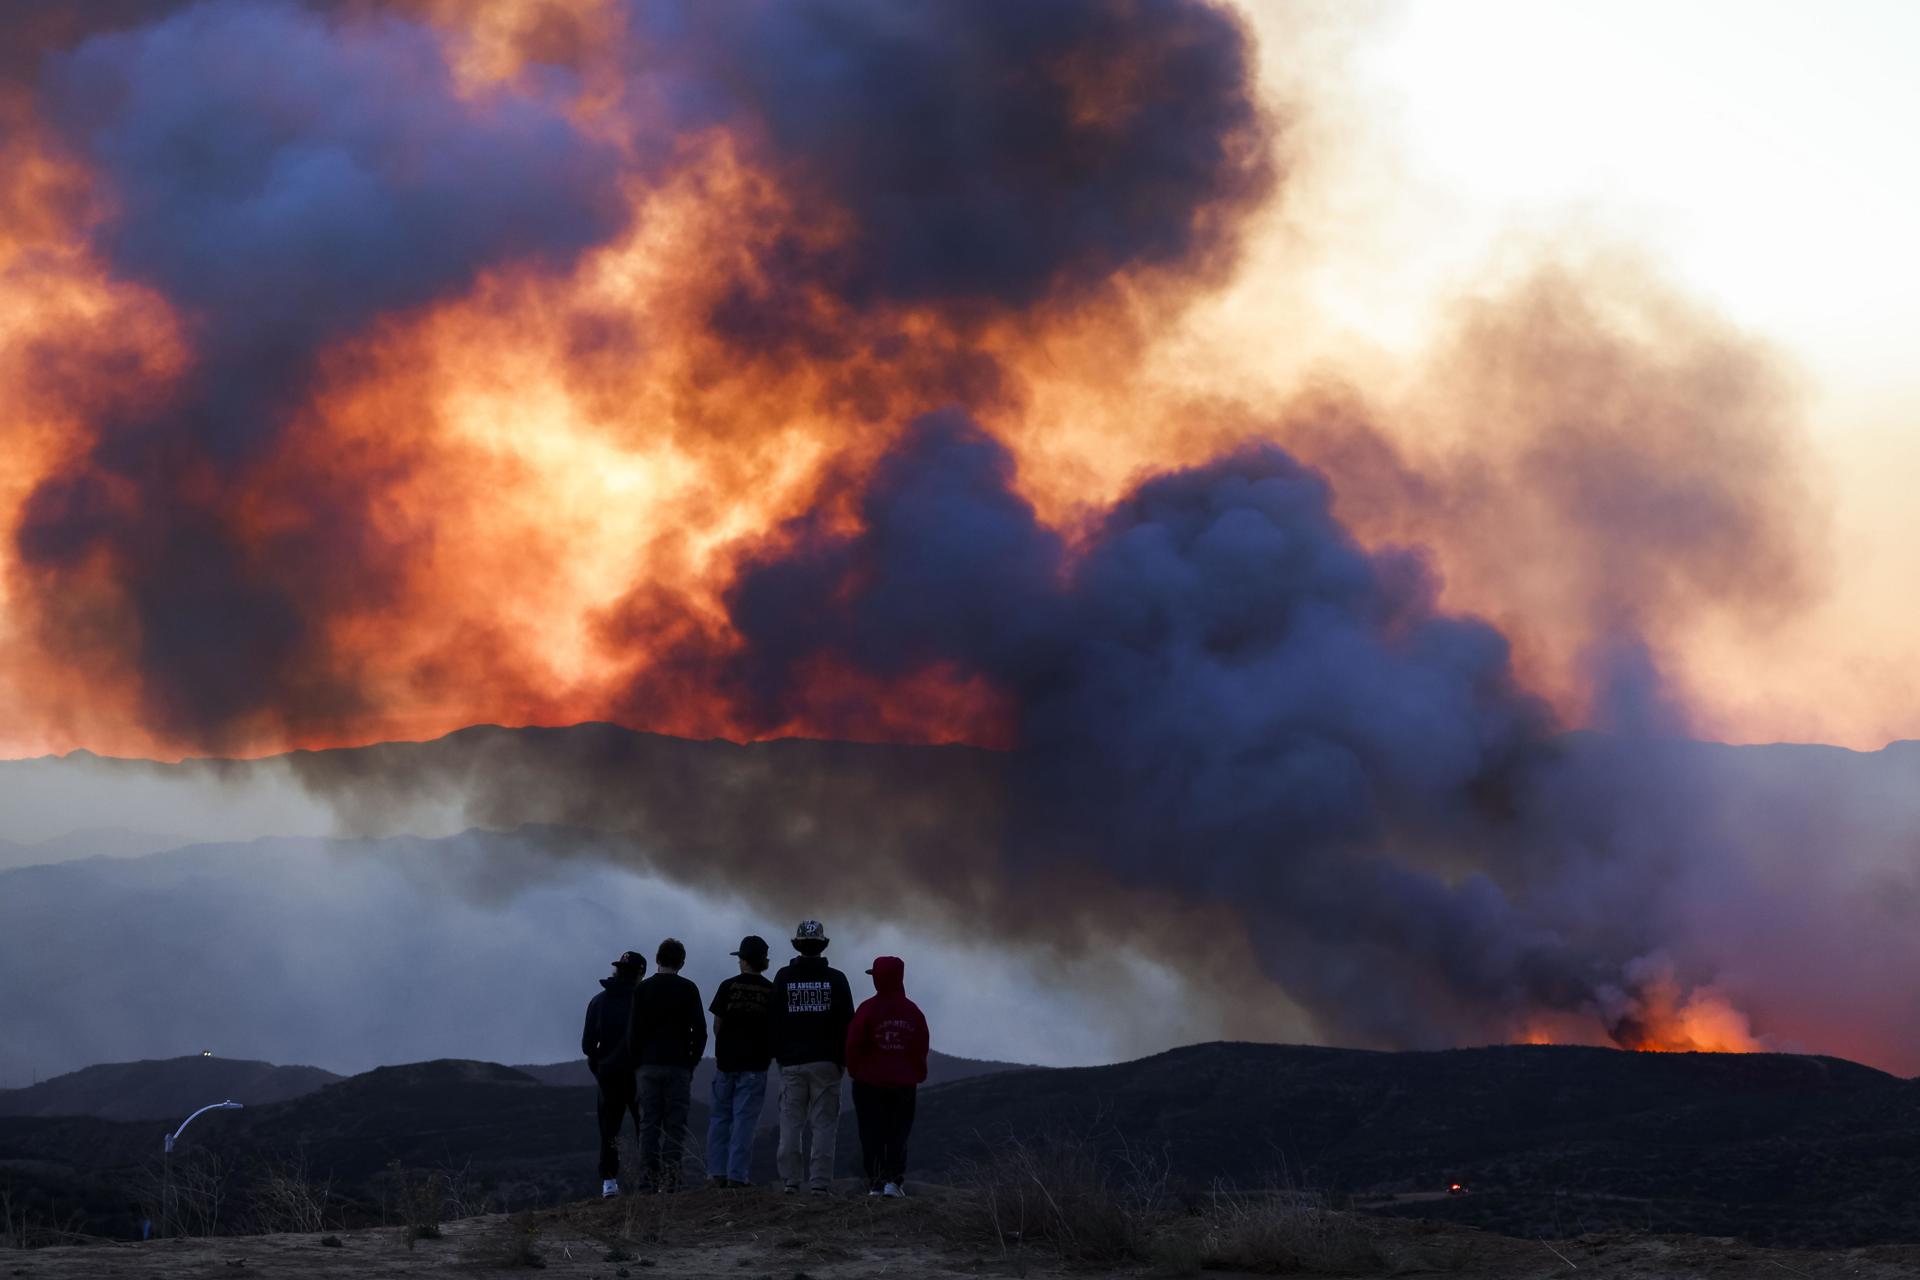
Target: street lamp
column 166, row 1162
column 228, row 1105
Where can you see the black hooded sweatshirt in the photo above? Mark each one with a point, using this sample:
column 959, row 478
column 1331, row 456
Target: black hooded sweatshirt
column 604, row 1038
column 669, row 1023
column 808, row 1016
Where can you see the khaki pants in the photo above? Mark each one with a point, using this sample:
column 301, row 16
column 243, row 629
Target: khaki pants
column 809, row 1100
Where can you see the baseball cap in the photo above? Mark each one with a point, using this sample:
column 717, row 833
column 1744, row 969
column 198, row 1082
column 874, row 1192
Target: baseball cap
column 752, row 947
column 810, row 931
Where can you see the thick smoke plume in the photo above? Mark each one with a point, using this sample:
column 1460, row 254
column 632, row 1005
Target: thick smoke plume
column 281, row 181
column 983, row 156
column 1218, row 694
column 873, row 194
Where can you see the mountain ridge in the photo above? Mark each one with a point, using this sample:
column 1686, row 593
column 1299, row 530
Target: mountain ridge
column 1588, row 1138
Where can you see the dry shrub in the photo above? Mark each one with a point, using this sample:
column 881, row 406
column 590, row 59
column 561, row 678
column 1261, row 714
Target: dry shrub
column 1282, row 1232
column 505, row 1242
column 194, row 1191
column 422, row 1200
column 26, row 1226
column 1086, row 1205
column 288, row 1197
column 15, row 1222
column 643, row 1221
column 462, row 1195
column 520, row 1243
column 1061, row 1195
column 416, row 1203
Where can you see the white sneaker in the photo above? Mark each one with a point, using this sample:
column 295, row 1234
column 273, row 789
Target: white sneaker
column 893, row 1190
column 873, row 1191
column 609, row 1187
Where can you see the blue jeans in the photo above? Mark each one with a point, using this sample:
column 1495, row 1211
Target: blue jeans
column 737, row 1096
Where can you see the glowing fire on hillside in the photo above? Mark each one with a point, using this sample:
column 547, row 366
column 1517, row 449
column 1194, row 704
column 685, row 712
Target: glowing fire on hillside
column 1670, row 1020
column 1659, row 1016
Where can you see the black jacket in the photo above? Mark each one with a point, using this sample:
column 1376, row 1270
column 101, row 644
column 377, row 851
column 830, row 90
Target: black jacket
column 604, row 1038
column 740, row 1012
column 812, row 1006
column 669, row 1026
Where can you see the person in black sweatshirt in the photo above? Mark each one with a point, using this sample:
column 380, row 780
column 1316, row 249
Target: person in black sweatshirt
column 669, row 1033
column 812, row 1005
column 741, row 1055
column 604, row 1042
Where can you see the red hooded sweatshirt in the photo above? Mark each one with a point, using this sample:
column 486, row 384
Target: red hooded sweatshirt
column 887, row 1039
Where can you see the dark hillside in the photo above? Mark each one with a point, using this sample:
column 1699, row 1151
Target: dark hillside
column 1553, row 1141
column 1768, row 1146
column 161, row 1089
column 498, row 1130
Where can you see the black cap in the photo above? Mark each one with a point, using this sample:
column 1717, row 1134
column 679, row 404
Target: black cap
column 752, row 947
column 630, row 960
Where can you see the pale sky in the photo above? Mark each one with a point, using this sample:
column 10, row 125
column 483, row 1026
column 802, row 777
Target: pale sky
column 1761, row 155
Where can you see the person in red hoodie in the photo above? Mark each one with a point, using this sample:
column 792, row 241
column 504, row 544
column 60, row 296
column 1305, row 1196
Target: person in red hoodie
column 887, row 1058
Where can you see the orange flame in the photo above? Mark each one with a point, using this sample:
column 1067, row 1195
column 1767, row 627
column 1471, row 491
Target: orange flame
column 1702, row 1020
column 1661, row 1016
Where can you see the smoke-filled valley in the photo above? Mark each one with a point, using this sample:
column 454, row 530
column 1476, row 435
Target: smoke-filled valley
column 441, row 885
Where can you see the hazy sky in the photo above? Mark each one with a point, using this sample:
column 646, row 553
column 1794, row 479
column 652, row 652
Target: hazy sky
column 1760, row 155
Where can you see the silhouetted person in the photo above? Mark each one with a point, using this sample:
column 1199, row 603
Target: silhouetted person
column 887, row 1058
column 812, row 1006
column 604, row 1041
column 741, row 1055
column 669, row 1034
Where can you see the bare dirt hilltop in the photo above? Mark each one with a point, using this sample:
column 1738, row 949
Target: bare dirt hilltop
column 941, row 1233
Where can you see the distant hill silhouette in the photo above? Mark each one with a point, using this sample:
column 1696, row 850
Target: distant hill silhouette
column 1553, row 1141
column 170, row 1088
column 1549, row 1139
column 161, row 1089
column 87, row 842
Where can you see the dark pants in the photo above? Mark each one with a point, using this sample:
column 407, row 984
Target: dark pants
column 617, row 1101
column 885, row 1115
column 664, row 1094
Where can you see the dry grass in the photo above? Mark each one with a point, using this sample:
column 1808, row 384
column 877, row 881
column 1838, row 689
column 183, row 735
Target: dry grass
column 1281, row 1232
column 23, row 1226
column 767, row 1234
column 1065, row 1199
column 288, row 1197
column 519, row 1244
column 421, row 1200
column 1061, row 1195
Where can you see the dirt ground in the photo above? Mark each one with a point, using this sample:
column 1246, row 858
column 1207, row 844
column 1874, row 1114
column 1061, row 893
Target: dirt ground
column 759, row 1235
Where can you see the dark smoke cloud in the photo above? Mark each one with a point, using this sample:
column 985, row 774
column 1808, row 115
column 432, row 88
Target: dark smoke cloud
column 31, row 29
column 1276, row 666
column 283, row 180
column 985, row 152
column 1220, row 694
column 286, row 174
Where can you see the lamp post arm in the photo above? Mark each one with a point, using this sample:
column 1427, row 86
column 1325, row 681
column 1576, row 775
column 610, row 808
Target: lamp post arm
column 228, row 1105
